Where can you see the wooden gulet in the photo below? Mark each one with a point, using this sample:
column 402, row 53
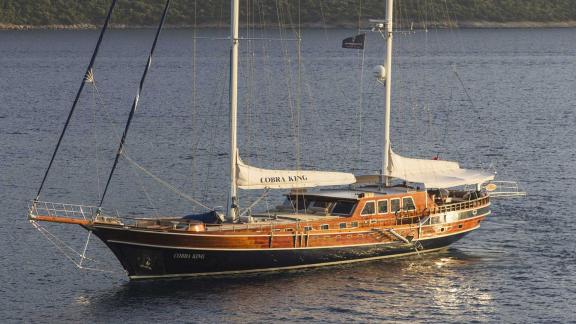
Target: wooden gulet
column 370, row 219
column 335, row 226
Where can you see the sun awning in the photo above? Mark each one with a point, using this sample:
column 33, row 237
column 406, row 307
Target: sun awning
column 434, row 173
column 250, row 177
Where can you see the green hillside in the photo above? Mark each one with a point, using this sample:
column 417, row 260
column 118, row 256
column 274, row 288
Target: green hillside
column 318, row 12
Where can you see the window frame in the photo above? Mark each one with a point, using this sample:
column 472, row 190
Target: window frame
column 413, row 203
column 373, row 202
column 387, row 207
column 399, row 205
column 337, row 202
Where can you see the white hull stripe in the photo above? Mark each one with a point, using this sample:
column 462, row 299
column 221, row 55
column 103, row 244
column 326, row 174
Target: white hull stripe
column 284, row 268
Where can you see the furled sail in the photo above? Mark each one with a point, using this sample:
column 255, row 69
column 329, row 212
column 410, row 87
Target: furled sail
column 434, row 173
column 250, row 177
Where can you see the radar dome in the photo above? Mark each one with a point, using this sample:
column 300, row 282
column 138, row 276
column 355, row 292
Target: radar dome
column 379, row 72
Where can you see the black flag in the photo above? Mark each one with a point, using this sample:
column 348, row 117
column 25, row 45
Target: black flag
column 356, row 42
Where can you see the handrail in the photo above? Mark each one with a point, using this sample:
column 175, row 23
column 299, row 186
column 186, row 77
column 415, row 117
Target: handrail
column 69, row 213
column 402, row 214
column 52, row 209
column 86, row 213
column 505, row 189
column 460, row 205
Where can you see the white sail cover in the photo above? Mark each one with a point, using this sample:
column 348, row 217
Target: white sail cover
column 434, row 173
column 250, row 177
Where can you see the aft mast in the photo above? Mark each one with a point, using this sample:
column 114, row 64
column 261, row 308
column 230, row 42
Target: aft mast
column 388, row 66
column 234, row 21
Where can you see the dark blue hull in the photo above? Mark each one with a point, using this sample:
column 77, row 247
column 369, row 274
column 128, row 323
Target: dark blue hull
column 155, row 262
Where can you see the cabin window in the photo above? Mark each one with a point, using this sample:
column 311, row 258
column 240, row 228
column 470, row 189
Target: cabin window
column 382, row 206
column 324, row 226
column 321, row 204
column 368, row 209
column 354, row 224
column 394, row 205
column 307, row 228
column 343, row 208
column 297, row 202
column 408, row 203
column 342, row 225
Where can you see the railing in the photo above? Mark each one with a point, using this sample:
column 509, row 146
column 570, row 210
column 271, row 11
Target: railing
column 413, row 216
column 460, row 205
column 90, row 213
column 504, row 189
column 266, row 227
column 51, row 209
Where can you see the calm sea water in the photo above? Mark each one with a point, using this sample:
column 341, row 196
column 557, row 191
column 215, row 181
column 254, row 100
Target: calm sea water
column 515, row 110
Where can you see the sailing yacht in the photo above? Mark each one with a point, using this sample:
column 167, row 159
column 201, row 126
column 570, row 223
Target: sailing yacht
column 413, row 206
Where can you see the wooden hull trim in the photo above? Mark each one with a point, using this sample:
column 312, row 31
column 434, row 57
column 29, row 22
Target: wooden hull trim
column 280, row 249
column 240, row 249
column 399, row 227
column 307, row 266
column 131, row 229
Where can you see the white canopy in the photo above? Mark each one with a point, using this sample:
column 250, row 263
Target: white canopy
column 434, row 173
column 250, row 177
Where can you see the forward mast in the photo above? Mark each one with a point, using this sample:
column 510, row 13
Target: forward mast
column 388, row 86
column 232, row 197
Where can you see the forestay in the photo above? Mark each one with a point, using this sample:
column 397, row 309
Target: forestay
column 250, row 177
column 434, row 173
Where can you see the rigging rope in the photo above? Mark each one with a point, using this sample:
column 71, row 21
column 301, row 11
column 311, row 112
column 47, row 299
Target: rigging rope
column 96, row 142
column 135, row 103
column 195, row 109
column 361, row 91
column 85, row 79
column 63, row 247
column 117, row 135
column 168, row 185
column 463, row 86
